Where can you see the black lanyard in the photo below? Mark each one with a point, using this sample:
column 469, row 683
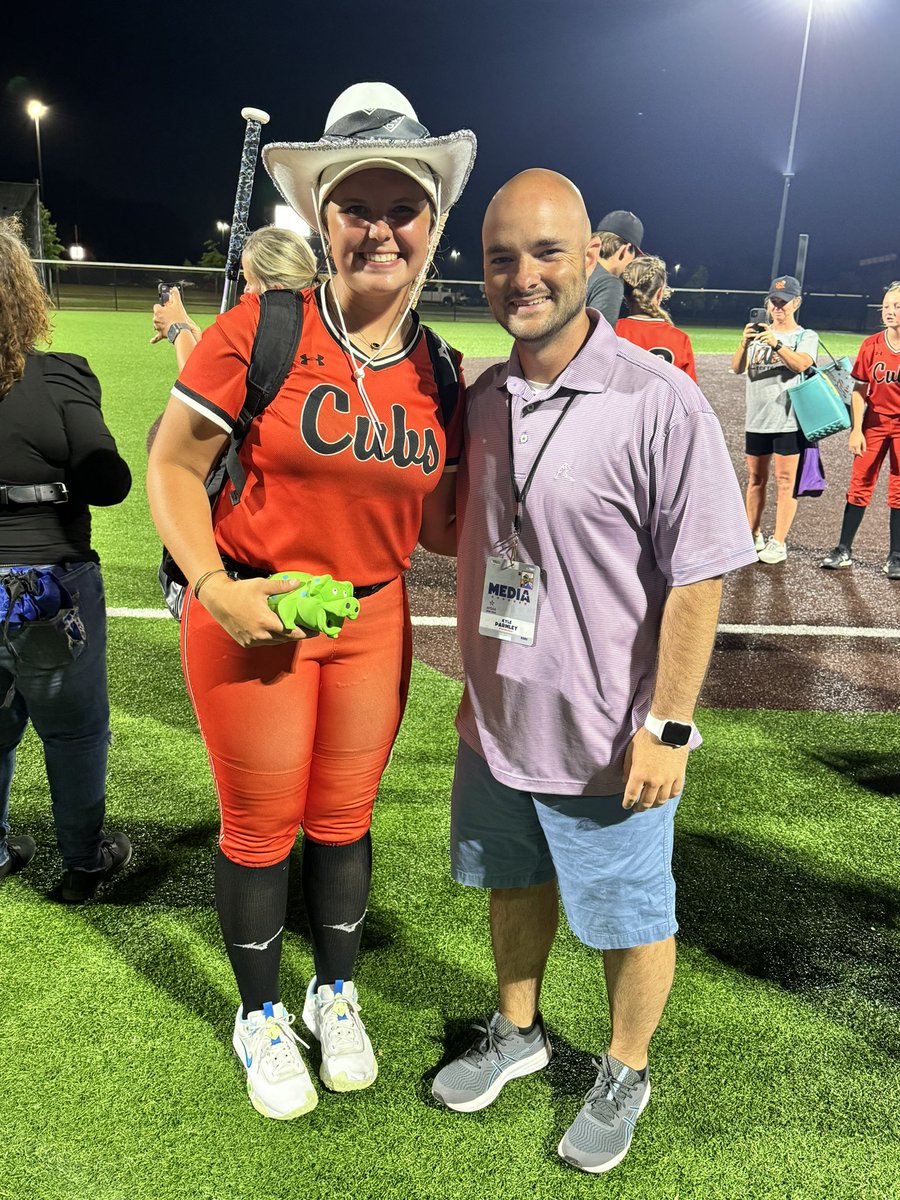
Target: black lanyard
column 521, row 495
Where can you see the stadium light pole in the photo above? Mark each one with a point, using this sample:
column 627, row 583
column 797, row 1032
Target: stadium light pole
column 789, row 169
column 36, row 110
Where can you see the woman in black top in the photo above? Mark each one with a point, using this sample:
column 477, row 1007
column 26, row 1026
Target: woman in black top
column 56, row 458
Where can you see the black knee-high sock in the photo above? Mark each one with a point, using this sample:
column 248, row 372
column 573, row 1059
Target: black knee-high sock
column 853, row 515
column 336, row 883
column 895, row 531
column 251, row 902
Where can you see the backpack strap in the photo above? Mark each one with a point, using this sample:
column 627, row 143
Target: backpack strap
column 274, row 349
column 445, row 365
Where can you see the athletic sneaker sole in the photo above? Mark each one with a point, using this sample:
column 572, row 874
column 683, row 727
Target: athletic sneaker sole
column 570, row 1155
column 841, row 566
column 274, row 1116
column 344, row 1083
column 525, row 1066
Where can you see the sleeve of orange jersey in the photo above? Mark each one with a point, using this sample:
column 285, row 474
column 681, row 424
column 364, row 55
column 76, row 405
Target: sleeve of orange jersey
column 214, row 379
column 688, row 363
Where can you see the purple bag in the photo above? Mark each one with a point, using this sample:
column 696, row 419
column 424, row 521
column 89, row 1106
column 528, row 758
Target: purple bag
column 810, row 473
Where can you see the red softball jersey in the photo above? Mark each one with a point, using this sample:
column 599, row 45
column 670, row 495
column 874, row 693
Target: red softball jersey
column 879, row 366
column 660, row 338
column 320, row 495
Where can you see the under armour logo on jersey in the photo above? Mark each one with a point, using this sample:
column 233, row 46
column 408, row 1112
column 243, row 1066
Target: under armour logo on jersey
column 304, row 359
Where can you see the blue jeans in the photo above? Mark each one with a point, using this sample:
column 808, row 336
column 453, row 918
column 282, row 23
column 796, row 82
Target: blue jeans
column 66, row 700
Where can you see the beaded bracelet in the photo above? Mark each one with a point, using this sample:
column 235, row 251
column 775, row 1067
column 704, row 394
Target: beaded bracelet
column 203, row 578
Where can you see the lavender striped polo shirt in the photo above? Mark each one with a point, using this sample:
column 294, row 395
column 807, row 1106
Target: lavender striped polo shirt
column 634, row 494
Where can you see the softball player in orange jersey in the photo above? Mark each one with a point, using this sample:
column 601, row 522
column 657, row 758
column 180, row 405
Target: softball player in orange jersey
column 351, row 464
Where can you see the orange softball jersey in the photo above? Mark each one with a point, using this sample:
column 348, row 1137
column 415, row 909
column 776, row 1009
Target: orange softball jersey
column 321, row 494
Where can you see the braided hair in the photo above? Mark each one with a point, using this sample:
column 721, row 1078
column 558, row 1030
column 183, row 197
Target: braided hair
column 643, row 278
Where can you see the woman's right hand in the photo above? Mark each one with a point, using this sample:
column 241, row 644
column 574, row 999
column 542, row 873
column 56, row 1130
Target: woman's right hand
column 168, row 314
column 241, row 608
column 857, row 443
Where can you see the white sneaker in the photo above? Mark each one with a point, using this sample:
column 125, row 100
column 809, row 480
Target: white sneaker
column 278, row 1082
column 332, row 1015
column 773, row 552
column 759, row 541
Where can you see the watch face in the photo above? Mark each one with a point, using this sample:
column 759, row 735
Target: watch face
column 675, row 733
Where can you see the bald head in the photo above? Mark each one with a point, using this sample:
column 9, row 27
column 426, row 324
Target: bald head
column 539, row 193
column 538, row 253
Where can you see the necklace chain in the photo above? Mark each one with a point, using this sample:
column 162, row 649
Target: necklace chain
column 358, row 335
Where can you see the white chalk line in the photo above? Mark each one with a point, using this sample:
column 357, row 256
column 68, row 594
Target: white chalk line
column 833, row 631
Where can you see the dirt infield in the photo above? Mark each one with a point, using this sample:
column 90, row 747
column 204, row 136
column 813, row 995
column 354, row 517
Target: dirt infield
column 760, row 670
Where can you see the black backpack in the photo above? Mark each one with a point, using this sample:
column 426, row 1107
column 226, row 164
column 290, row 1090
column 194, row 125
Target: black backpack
column 274, row 349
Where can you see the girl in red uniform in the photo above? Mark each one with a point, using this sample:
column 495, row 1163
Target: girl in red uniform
column 874, row 435
column 350, row 465
column 648, row 324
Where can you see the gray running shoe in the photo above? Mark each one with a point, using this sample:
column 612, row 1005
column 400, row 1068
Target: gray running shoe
column 838, row 560
column 599, row 1137
column 892, row 566
column 474, row 1080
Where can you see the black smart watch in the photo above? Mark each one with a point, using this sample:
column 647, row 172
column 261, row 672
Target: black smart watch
column 670, row 733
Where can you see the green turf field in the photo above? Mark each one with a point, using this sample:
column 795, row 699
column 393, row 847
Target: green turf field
column 775, row 1069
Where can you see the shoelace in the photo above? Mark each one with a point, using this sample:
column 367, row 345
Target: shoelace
column 282, row 1057
column 341, row 1031
column 485, row 1046
column 609, row 1094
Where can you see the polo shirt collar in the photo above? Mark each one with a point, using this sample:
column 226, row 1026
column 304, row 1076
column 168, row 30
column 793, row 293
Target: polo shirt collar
column 589, row 370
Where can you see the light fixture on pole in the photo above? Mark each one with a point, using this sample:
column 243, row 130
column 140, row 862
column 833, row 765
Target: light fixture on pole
column 789, row 169
column 223, row 228
column 76, row 250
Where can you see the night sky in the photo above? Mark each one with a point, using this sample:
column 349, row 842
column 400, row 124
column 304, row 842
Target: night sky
column 677, row 109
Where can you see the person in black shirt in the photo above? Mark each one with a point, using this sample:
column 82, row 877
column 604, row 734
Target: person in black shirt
column 57, row 457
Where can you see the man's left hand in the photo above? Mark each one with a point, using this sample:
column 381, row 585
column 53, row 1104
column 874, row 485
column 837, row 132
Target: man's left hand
column 654, row 772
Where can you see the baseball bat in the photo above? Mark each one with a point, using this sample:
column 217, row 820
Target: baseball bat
column 255, row 118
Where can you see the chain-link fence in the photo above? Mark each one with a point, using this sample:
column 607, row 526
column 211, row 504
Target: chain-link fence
column 133, row 287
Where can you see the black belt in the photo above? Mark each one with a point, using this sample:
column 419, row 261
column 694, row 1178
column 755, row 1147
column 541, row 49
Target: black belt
column 238, row 570
column 33, row 493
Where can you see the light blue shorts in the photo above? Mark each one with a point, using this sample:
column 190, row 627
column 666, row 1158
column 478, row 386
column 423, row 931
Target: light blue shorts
column 613, row 865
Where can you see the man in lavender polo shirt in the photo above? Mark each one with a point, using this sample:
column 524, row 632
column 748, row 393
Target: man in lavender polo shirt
column 576, row 720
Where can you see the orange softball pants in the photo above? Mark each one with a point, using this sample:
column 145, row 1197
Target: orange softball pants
column 882, row 434
column 298, row 735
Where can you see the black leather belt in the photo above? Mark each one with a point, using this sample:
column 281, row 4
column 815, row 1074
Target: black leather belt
column 238, row 570
column 33, row 493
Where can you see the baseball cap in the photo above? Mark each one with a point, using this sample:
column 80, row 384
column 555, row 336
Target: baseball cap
column 413, row 167
column 785, row 287
column 625, row 225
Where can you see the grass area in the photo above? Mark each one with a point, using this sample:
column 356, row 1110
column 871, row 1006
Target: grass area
column 775, row 1069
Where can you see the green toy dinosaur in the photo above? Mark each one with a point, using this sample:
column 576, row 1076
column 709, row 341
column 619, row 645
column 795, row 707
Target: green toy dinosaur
column 320, row 602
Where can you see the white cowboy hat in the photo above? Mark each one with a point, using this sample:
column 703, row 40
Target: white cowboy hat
column 370, row 125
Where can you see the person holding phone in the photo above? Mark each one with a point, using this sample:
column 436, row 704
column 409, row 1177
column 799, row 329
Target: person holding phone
column 774, row 352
